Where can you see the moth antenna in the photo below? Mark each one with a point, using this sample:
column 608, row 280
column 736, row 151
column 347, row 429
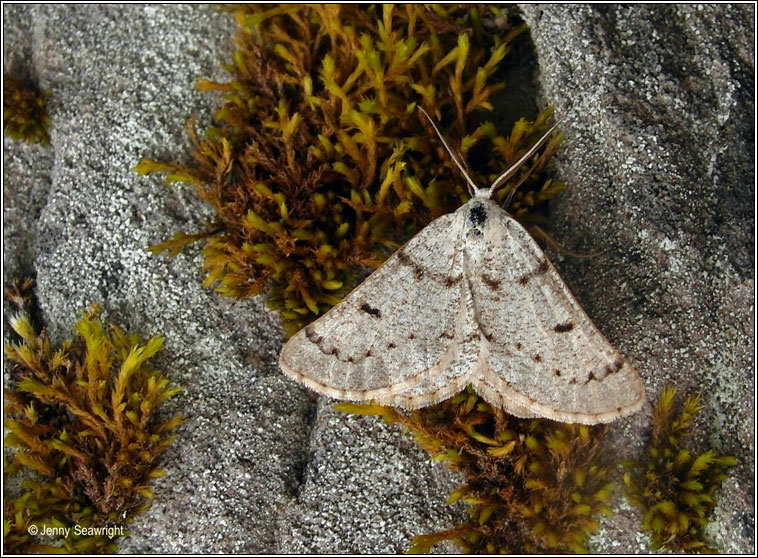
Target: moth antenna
column 500, row 180
column 538, row 232
column 526, row 175
column 457, row 159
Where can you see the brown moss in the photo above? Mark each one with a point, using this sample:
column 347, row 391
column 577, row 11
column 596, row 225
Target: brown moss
column 532, row 485
column 319, row 165
column 82, row 421
column 673, row 487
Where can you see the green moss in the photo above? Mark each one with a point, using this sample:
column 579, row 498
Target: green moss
column 532, row 485
column 81, row 418
column 673, row 487
column 25, row 115
column 319, row 165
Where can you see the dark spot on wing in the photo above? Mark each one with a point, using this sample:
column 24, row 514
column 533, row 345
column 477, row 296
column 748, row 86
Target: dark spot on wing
column 613, row 368
column 412, row 335
column 370, row 310
column 537, row 358
column 540, row 270
column 572, row 381
column 420, row 272
column 473, row 336
column 391, row 345
column 557, row 372
column 477, row 216
column 563, row 328
column 318, row 340
column 518, row 346
column 405, row 259
column 492, row 283
column 446, row 335
column 312, row 336
column 590, row 378
column 450, row 281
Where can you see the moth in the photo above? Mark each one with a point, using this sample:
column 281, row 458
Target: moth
column 471, row 299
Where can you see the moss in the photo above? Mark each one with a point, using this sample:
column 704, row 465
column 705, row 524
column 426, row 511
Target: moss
column 319, row 166
column 532, row 485
column 25, row 115
column 82, row 421
column 674, row 487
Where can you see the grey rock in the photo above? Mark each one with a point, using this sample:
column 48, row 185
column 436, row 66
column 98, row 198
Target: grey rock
column 27, row 168
column 659, row 157
column 368, row 489
column 122, row 87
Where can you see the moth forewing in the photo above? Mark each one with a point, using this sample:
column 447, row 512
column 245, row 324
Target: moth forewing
column 544, row 353
column 388, row 336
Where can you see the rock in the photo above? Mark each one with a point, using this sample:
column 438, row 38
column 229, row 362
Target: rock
column 368, row 489
column 659, row 157
column 122, row 87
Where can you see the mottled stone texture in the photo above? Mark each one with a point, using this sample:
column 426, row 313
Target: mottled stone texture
column 659, row 159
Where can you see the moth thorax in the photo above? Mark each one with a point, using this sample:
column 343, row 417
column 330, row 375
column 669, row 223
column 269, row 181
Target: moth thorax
column 477, row 214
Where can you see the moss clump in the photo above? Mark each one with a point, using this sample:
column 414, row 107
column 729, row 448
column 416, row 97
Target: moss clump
column 533, row 485
column 675, row 489
column 25, row 115
column 81, row 418
column 319, row 165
